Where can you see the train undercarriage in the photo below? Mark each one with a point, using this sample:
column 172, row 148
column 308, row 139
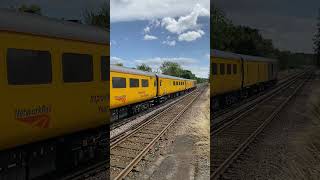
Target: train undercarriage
column 54, row 157
column 133, row 109
column 228, row 99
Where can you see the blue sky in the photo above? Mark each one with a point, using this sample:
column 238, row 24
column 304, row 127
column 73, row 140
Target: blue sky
column 170, row 32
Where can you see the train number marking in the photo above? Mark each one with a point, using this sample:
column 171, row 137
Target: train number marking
column 122, row 99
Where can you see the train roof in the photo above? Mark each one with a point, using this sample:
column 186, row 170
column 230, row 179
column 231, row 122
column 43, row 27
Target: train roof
column 256, row 58
column 44, row 26
column 230, row 55
column 224, row 54
column 126, row 70
column 170, row 77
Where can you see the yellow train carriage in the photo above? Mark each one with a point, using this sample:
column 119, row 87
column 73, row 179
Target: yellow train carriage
column 190, row 84
column 234, row 76
column 226, row 72
column 130, row 86
column 53, row 79
column 169, row 84
column 256, row 70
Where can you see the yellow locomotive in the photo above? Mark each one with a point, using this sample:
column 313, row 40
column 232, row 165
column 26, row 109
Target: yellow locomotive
column 132, row 91
column 234, row 76
column 53, row 89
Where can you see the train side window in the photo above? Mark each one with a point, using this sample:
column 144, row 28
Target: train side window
column 145, row 83
column 234, row 69
column 214, row 69
column 105, row 75
column 160, row 82
column 134, row 82
column 174, row 83
column 77, row 67
column 228, row 68
column 118, row 82
column 26, row 67
column 155, row 83
column 222, row 70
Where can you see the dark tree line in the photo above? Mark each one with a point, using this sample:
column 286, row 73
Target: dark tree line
column 100, row 18
column 226, row 36
column 316, row 42
column 172, row 69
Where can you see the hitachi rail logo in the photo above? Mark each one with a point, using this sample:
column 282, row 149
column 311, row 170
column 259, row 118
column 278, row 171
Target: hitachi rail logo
column 123, row 98
column 36, row 116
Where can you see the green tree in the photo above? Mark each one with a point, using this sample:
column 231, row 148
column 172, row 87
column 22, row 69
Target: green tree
column 144, row 67
column 316, row 42
column 187, row 74
column 101, row 18
column 171, row 68
column 35, row 9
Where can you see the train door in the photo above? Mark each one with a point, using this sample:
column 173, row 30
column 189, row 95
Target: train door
column 270, row 73
column 155, row 86
column 242, row 72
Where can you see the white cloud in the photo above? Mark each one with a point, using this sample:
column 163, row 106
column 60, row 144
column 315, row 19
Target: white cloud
column 116, row 60
column 190, row 35
column 149, row 37
column 200, row 71
column 169, row 43
column 130, row 10
column 185, row 23
column 113, row 43
column 146, row 29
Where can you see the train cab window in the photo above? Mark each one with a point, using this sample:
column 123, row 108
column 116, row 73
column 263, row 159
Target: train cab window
column 134, row 82
column 234, row 69
column 222, row 70
column 118, row 82
column 104, row 69
column 155, row 83
column 145, row 83
column 228, row 68
column 174, row 83
column 77, row 67
column 25, row 67
column 214, row 69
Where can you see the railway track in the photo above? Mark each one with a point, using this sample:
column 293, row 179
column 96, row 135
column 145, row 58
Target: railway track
column 224, row 115
column 281, row 81
column 88, row 172
column 120, row 122
column 231, row 139
column 127, row 150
